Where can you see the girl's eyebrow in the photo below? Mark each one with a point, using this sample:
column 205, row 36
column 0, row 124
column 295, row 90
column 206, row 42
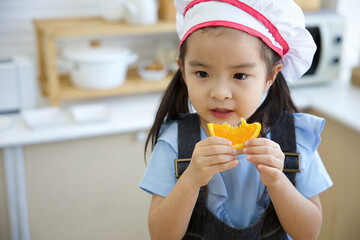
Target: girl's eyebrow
column 244, row 65
column 195, row 63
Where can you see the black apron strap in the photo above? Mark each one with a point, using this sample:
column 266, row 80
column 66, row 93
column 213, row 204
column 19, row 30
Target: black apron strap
column 284, row 135
column 188, row 136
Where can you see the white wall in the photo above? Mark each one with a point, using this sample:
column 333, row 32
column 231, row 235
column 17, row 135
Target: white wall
column 350, row 10
column 16, row 27
column 17, row 31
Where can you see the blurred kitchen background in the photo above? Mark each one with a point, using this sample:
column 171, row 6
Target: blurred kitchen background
column 79, row 84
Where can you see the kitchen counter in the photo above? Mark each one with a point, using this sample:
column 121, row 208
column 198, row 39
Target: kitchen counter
column 338, row 100
column 127, row 114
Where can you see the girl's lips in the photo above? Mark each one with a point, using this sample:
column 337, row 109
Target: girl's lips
column 221, row 113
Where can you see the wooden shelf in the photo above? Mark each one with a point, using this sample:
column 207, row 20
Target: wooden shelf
column 134, row 84
column 59, row 88
column 71, row 27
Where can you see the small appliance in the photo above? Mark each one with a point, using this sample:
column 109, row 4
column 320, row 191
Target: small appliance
column 18, row 86
column 327, row 29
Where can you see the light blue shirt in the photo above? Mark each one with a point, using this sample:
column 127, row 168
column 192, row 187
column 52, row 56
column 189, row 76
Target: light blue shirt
column 233, row 195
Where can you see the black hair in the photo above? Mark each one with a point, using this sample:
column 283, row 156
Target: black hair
column 175, row 99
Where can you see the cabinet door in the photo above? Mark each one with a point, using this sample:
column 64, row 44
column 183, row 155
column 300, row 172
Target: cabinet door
column 4, row 220
column 339, row 150
column 9, row 87
column 87, row 189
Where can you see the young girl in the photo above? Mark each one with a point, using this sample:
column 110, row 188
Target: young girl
column 232, row 53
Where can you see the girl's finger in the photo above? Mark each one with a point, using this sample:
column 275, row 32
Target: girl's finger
column 261, row 142
column 269, row 175
column 266, row 160
column 213, row 140
column 264, row 150
column 218, row 150
column 217, row 159
column 239, row 151
column 223, row 166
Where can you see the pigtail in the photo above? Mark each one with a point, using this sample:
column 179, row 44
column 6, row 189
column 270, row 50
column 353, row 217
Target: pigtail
column 174, row 102
column 277, row 102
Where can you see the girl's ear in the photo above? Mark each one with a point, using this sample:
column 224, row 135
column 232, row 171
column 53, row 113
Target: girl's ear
column 181, row 67
column 179, row 63
column 276, row 69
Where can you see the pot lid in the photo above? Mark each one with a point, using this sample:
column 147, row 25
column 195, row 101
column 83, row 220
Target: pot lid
column 95, row 53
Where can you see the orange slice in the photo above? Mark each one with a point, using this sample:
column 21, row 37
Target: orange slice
column 237, row 134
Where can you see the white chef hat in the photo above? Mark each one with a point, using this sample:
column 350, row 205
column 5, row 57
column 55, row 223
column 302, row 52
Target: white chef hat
column 279, row 23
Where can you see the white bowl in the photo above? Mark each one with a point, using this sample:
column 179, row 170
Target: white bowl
column 44, row 117
column 90, row 113
column 5, row 123
column 151, row 75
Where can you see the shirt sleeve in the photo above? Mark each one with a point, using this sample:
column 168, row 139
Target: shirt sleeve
column 313, row 177
column 159, row 177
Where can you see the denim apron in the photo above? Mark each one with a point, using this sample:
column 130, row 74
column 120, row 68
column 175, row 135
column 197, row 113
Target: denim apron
column 203, row 223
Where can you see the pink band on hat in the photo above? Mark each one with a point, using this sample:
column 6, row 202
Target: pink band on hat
column 246, row 8
column 238, row 26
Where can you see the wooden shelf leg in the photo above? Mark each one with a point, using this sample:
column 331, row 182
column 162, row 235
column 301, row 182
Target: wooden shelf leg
column 41, row 67
column 51, row 69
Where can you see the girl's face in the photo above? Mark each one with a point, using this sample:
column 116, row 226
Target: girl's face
column 225, row 75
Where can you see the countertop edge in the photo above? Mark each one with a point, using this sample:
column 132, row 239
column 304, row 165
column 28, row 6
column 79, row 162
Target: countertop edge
column 339, row 101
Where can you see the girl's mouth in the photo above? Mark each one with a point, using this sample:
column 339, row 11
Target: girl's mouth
column 221, row 112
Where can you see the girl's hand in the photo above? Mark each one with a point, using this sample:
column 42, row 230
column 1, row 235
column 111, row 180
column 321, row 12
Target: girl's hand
column 210, row 156
column 267, row 158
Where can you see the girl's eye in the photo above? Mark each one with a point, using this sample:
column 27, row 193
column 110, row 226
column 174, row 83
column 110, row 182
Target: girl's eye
column 202, row 74
column 240, row 76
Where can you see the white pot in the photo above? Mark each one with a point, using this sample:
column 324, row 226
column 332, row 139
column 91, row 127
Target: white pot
column 97, row 67
column 113, row 10
column 141, row 11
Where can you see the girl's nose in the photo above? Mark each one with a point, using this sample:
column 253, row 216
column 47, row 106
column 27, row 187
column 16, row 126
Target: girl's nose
column 221, row 91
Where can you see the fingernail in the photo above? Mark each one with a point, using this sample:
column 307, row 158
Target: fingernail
column 236, row 162
column 245, row 150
